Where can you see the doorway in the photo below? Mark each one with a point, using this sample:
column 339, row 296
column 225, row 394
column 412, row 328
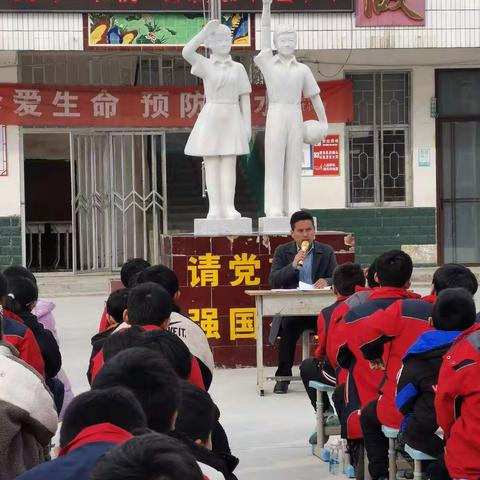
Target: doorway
column 109, row 191
column 458, row 144
column 48, row 213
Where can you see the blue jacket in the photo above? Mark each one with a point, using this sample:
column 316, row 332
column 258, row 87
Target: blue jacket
column 74, row 466
column 78, row 458
column 416, row 387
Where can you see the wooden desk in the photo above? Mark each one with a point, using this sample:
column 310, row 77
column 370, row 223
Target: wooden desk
column 285, row 303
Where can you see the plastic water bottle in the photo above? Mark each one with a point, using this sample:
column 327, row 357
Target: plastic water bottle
column 334, row 466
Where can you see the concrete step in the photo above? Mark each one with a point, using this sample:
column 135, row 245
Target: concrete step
column 66, row 284
column 424, row 275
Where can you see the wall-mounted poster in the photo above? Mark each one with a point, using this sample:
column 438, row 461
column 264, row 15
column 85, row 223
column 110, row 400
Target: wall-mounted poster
column 159, row 30
column 326, row 157
column 394, row 13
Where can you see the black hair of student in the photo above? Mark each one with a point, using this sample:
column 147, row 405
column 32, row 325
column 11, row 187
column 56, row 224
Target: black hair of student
column 150, row 377
column 130, row 268
column 372, row 270
column 115, row 405
column 394, row 268
column 3, row 287
column 149, row 304
column 16, row 271
column 117, row 304
column 454, row 275
column 196, row 415
column 454, row 310
column 152, row 456
column 162, row 275
column 299, row 216
column 120, row 341
column 171, row 347
column 346, row 277
column 22, row 292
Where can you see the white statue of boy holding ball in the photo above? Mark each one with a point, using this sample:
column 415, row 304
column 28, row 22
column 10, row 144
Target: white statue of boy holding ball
column 286, row 80
column 223, row 129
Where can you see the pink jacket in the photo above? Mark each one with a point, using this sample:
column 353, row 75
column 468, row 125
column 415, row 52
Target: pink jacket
column 43, row 311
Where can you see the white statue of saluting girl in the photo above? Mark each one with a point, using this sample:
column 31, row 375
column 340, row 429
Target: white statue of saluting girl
column 223, row 128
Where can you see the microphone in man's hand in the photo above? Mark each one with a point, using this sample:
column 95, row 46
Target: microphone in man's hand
column 304, row 248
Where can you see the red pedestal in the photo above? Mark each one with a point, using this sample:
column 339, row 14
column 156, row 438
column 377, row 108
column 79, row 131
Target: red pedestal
column 214, row 273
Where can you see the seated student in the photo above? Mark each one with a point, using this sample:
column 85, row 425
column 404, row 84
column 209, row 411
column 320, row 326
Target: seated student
column 21, row 299
column 174, row 350
column 346, row 278
column 371, row 275
column 43, row 311
column 185, row 328
column 119, row 342
column 128, row 275
column 394, row 269
column 95, row 422
column 453, row 313
column 149, row 306
column 115, row 306
column 19, row 335
column 194, row 426
column 148, row 457
column 335, row 337
column 165, row 342
column 399, row 326
column 457, row 403
column 152, row 380
column 28, row 417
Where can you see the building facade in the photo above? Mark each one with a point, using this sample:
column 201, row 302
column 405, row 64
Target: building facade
column 402, row 171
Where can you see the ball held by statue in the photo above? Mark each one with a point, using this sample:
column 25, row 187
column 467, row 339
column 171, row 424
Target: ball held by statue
column 314, row 132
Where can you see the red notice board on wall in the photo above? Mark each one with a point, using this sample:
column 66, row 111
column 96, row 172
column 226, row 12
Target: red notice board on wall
column 326, row 157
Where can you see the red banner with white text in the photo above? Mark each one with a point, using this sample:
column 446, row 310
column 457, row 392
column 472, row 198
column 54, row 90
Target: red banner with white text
column 138, row 107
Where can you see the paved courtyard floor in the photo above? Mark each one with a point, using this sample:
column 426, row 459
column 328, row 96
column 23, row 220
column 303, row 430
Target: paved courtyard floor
column 269, row 434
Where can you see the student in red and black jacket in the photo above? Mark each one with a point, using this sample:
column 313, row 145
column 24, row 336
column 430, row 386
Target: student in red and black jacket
column 457, row 403
column 335, row 338
column 346, row 278
column 149, row 306
column 397, row 327
column 18, row 335
column 453, row 313
column 21, row 299
column 394, row 270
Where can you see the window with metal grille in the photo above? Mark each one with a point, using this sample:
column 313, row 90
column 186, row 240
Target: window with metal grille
column 128, row 69
column 378, row 139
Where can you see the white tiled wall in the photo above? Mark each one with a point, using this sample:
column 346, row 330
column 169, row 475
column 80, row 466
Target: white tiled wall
column 41, row 31
column 449, row 24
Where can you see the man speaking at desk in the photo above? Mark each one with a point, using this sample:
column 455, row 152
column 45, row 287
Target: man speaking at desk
column 303, row 260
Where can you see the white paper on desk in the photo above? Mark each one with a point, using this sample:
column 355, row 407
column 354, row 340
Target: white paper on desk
column 305, row 286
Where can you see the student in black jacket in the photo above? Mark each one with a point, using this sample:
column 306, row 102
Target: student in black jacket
column 453, row 312
column 195, row 422
column 115, row 306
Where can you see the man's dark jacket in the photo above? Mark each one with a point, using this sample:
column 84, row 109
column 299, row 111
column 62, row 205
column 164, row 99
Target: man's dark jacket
column 284, row 275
